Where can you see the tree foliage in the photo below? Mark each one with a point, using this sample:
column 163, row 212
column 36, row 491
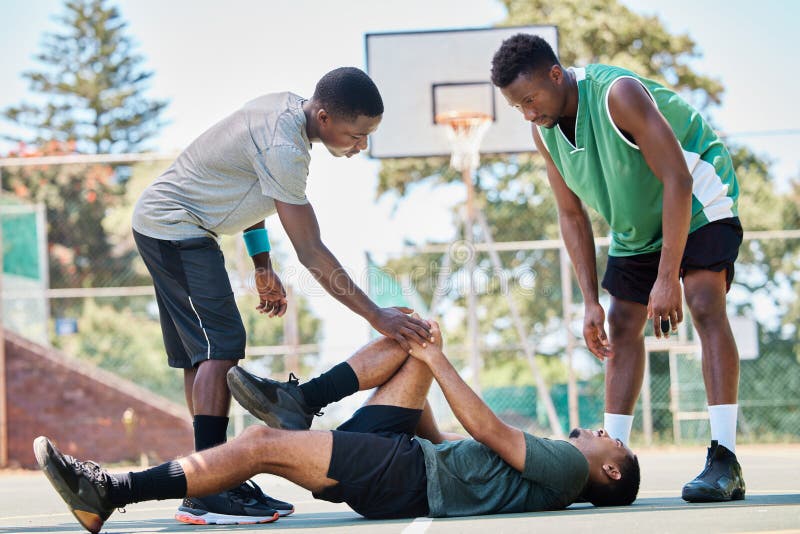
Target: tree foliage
column 92, row 83
column 513, row 191
column 76, row 198
column 91, row 86
column 589, row 31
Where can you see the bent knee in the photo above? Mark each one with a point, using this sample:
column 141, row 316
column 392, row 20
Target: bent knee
column 413, row 365
column 706, row 305
column 625, row 324
column 256, row 433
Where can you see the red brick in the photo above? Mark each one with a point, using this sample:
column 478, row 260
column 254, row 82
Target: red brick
column 81, row 408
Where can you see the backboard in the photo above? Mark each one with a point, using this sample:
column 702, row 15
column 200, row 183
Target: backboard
column 423, row 74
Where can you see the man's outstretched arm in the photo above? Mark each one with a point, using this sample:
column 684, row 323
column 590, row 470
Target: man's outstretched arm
column 576, row 231
column 475, row 416
column 302, row 227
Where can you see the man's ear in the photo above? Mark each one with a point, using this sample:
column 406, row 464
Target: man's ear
column 612, row 471
column 556, row 73
column 323, row 117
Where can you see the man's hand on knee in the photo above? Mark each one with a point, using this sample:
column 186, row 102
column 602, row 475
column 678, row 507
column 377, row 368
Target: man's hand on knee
column 431, row 350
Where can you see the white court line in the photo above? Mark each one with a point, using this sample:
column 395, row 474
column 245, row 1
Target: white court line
column 418, row 526
column 785, row 491
column 68, row 514
column 137, row 509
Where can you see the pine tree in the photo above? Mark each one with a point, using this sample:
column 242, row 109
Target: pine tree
column 91, row 88
column 93, row 83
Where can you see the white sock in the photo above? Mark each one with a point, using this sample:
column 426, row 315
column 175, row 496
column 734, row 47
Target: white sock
column 723, row 424
column 618, row 426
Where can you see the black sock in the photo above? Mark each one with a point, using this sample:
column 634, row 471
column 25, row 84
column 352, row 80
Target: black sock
column 331, row 386
column 209, row 431
column 166, row 481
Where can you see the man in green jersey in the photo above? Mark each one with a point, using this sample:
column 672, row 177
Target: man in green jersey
column 646, row 160
column 390, row 460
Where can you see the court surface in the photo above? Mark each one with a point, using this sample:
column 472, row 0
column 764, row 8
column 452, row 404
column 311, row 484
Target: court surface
column 772, row 472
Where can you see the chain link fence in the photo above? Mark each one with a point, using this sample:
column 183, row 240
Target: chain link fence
column 72, row 278
column 763, row 307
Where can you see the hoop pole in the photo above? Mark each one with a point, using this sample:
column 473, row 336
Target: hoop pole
column 541, row 387
column 466, row 130
column 472, row 301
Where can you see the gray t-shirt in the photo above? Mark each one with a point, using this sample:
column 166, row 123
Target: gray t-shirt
column 228, row 178
column 467, row 478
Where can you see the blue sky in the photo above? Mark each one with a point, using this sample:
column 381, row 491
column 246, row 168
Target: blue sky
column 209, row 57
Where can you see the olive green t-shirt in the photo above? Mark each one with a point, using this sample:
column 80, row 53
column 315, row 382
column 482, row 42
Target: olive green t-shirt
column 467, row 478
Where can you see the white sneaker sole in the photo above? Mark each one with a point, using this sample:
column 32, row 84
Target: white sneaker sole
column 210, row 518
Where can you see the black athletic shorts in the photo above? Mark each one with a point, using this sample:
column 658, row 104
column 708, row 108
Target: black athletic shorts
column 713, row 247
column 198, row 313
column 379, row 465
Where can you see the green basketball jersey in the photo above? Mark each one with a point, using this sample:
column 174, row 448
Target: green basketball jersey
column 608, row 172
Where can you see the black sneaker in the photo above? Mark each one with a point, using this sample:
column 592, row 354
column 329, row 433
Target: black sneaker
column 253, row 489
column 238, row 506
column 83, row 485
column 720, row 481
column 279, row 404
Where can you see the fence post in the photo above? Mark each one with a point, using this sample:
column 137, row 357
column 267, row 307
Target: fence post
column 3, row 408
column 566, row 303
column 291, row 332
column 674, row 397
column 647, row 405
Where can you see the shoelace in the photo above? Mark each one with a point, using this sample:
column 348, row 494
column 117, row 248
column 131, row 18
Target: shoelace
column 244, row 493
column 92, row 471
column 89, row 469
column 294, row 381
column 252, row 491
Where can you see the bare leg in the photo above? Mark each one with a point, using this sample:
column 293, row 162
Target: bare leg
column 188, row 387
column 210, row 394
column 407, row 388
column 722, row 478
column 302, row 457
column 705, row 296
column 625, row 371
column 376, row 362
column 428, row 429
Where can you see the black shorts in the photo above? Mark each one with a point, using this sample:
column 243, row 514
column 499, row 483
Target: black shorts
column 713, row 247
column 379, row 465
column 198, row 313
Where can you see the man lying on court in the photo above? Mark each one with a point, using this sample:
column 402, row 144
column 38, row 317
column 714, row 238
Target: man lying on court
column 388, row 461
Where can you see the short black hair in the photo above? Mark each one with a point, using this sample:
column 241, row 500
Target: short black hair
column 620, row 492
column 521, row 54
column 348, row 92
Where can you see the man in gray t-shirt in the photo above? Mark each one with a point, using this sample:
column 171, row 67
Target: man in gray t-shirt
column 248, row 166
column 389, row 460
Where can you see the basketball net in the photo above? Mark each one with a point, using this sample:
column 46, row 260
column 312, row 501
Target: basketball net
column 465, row 131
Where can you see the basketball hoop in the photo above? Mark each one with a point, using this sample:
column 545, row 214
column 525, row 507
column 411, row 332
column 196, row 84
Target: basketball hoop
column 465, row 131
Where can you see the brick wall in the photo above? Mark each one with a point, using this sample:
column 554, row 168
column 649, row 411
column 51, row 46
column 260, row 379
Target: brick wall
column 82, row 408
